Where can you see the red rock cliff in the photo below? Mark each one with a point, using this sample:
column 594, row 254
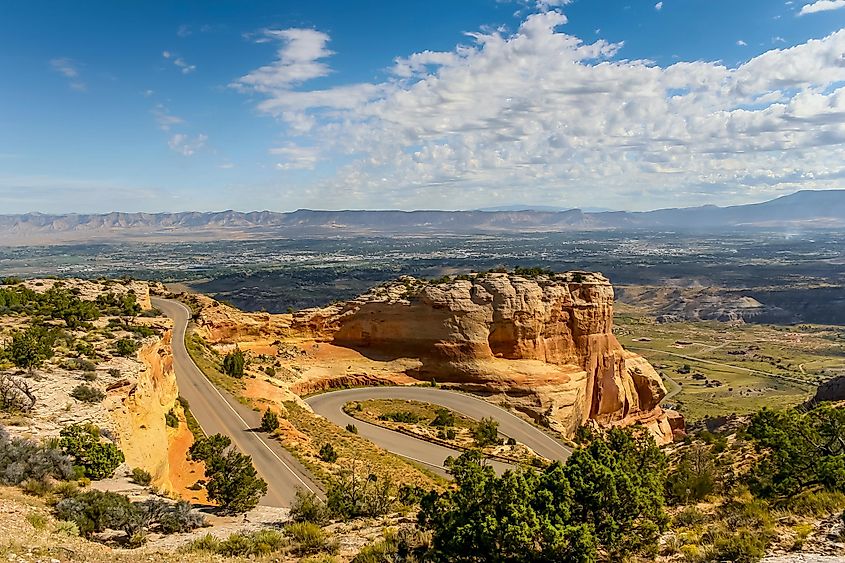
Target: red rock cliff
column 545, row 342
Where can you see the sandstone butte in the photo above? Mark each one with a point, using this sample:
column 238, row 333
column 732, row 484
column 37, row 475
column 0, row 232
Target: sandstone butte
column 544, row 344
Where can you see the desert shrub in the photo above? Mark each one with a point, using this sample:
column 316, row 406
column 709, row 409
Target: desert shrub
column 89, row 376
column 406, row 417
column 817, row 503
column 447, row 434
column 308, row 537
column 87, row 394
column 180, row 517
column 171, row 419
column 65, row 489
column 233, row 363
column 66, row 528
column 205, row 544
column 96, row 511
column 114, row 372
column 269, row 421
column 22, row 459
column 141, row 477
column 37, row 520
column 307, row 507
column 352, row 428
column 352, row 494
column 126, row 347
column 270, row 370
column 742, row 546
column 443, row 417
column 693, row 478
column 16, row 395
column 486, row 432
column 406, row 544
column 37, row 487
column 232, row 480
column 328, row 453
column 97, row 459
column 29, row 349
column 688, row 517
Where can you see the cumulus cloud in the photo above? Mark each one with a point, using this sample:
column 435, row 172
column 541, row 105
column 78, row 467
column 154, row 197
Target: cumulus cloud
column 542, row 112
column 742, row 43
column 658, row 6
column 180, row 63
column 185, row 144
column 821, row 6
column 298, row 59
column 68, row 68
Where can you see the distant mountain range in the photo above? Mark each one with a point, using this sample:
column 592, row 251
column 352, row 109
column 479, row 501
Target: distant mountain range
column 804, row 209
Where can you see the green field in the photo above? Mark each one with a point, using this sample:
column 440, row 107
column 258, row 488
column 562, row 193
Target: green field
column 734, row 368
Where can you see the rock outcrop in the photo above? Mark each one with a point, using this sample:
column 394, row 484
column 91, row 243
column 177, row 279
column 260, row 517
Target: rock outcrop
column 545, row 342
column 141, row 404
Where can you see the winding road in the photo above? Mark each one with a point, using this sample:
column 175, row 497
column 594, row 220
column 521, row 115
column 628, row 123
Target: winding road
column 219, row 413
column 330, row 405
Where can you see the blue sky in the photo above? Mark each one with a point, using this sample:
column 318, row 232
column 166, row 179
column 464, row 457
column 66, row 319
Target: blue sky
column 169, row 106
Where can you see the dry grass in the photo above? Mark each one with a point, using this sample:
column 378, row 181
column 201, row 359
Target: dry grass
column 349, row 447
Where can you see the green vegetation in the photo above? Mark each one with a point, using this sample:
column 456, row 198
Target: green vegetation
column 171, row 419
column 328, row 453
column 96, row 458
column 407, row 417
column 607, row 498
column 233, row 363
column 30, row 348
column 87, row 394
column 232, row 480
column 269, row 421
column 55, row 303
column 719, row 369
column 93, row 512
column 486, row 432
column 443, row 418
column 22, row 460
column 141, row 477
column 193, row 425
column 126, row 347
column 801, row 451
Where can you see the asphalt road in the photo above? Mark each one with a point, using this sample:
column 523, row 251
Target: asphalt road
column 330, row 405
column 219, row 413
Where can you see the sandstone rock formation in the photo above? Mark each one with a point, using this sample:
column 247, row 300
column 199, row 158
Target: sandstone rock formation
column 543, row 343
column 545, row 340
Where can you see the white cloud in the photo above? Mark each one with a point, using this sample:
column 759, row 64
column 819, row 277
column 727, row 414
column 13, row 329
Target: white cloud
column 296, row 158
column 181, row 63
column 821, row 6
column 541, row 112
column 164, row 120
column 185, row 144
column 68, row 68
column 298, row 60
column 742, row 43
column 658, row 6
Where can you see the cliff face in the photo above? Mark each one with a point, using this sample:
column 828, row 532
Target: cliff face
column 546, row 342
column 139, row 414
